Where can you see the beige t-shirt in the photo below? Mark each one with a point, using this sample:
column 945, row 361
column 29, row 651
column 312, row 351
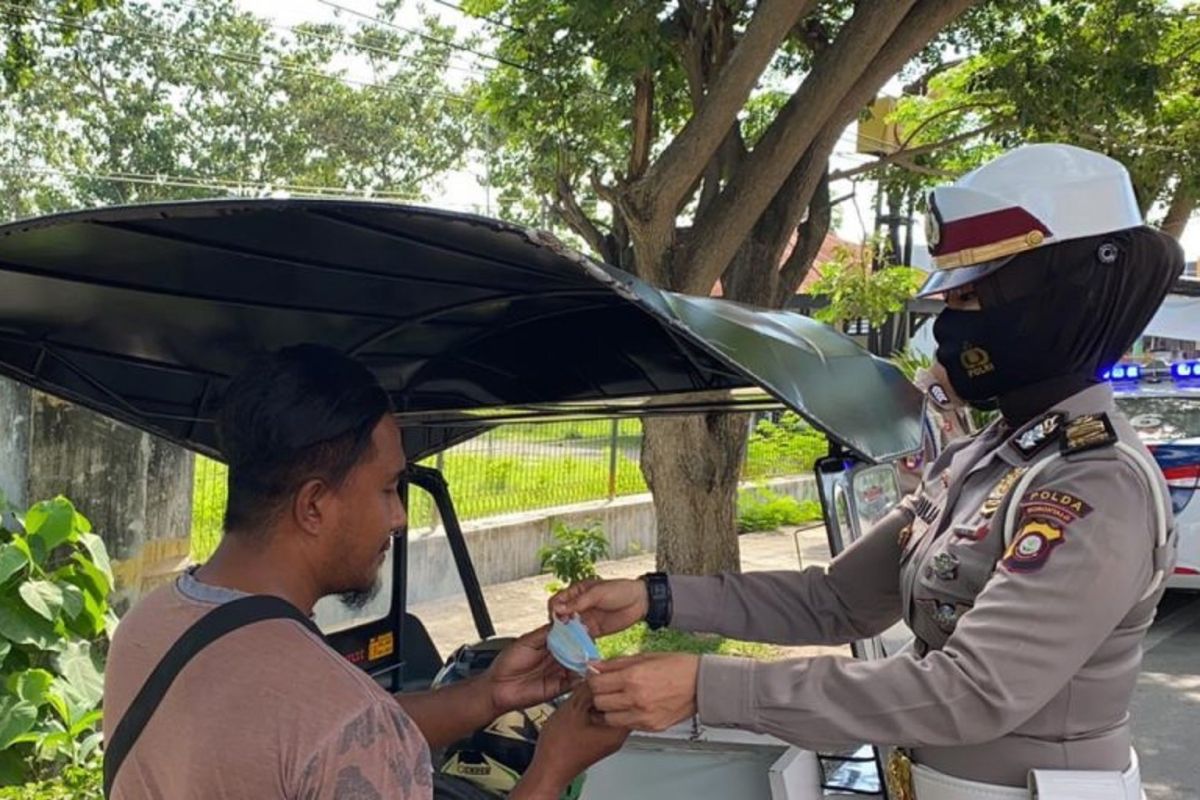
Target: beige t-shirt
column 265, row 711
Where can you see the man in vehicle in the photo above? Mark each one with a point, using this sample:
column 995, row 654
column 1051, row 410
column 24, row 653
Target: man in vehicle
column 268, row 709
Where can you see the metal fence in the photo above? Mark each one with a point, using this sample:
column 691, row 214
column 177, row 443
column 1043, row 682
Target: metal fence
column 524, row 467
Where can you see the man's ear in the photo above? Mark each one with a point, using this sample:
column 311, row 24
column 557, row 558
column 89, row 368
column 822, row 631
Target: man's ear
column 311, row 506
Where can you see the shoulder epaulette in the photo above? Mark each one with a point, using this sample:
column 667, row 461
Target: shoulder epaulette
column 1039, row 433
column 1087, row 433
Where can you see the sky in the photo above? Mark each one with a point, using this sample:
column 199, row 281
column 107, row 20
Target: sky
column 462, row 189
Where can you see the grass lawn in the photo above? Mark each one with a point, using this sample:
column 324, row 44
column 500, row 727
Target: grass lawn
column 640, row 639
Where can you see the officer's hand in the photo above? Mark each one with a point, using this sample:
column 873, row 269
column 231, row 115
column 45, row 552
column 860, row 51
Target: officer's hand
column 573, row 739
column 525, row 674
column 604, row 606
column 650, row 692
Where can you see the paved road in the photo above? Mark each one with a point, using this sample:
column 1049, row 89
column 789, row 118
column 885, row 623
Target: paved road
column 1166, row 708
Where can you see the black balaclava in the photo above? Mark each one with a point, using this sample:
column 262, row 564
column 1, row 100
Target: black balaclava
column 1053, row 319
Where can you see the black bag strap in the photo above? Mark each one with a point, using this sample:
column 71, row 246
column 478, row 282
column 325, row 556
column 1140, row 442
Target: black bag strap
column 223, row 619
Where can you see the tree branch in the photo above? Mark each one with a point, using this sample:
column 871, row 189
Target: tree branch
column 658, row 193
column 643, row 124
column 730, row 219
column 901, row 155
column 568, row 210
column 944, row 112
column 1179, row 213
column 808, row 244
column 921, row 84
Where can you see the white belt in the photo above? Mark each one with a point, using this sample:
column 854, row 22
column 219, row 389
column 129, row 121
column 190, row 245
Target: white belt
column 929, row 784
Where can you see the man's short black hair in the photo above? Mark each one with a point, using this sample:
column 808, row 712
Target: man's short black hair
column 300, row 413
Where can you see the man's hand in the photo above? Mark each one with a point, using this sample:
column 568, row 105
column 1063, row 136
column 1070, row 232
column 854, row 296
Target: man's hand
column 572, row 740
column 649, row 692
column 525, row 674
column 604, row 606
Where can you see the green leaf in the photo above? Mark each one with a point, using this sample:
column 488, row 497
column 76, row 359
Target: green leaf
column 44, row 597
column 12, row 561
column 12, row 768
column 51, row 523
column 86, row 722
column 72, row 597
column 16, row 718
column 31, row 685
column 84, row 685
column 99, row 553
column 21, row 626
column 97, row 582
column 5, row 646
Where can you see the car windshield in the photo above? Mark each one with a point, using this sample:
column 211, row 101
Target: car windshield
column 1163, row 419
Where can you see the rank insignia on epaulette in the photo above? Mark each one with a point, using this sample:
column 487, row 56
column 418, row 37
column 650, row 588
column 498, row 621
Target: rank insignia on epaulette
column 1037, row 434
column 1001, row 490
column 1087, row 432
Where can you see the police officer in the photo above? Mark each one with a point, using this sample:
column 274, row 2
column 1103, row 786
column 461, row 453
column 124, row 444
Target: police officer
column 1029, row 561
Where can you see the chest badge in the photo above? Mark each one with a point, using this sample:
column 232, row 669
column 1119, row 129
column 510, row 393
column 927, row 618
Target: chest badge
column 1000, row 491
column 1039, row 433
column 944, row 567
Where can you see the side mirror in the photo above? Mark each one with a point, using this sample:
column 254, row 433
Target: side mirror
column 854, row 496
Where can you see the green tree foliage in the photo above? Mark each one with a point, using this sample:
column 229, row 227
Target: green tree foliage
column 856, row 290
column 24, row 40
column 195, row 98
column 1118, row 76
column 689, row 142
column 54, row 622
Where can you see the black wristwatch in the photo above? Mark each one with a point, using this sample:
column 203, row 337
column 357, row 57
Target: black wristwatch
column 658, row 590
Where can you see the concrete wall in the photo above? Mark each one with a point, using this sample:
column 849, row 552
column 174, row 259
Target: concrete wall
column 14, row 441
column 135, row 488
column 505, row 548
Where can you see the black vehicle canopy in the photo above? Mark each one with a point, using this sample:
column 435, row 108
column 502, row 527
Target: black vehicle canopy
column 143, row 313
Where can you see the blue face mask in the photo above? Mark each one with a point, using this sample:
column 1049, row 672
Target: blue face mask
column 571, row 645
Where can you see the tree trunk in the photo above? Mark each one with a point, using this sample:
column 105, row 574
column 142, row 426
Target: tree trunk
column 692, row 465
column 1183, row 204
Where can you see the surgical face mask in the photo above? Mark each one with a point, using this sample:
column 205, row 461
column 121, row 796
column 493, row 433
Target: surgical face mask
column 571, row 645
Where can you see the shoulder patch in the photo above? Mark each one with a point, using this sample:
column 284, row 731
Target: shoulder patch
column 1032, row 546
column 1051, row 504
column 1087, row 433
column 1037, row 434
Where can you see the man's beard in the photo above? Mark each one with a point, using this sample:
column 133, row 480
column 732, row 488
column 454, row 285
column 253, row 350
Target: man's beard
column 357, row 599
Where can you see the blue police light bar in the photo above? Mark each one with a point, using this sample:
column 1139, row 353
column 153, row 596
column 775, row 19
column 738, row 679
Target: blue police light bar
column 1133, row 372
column 1118, row 373
column 1184, row 369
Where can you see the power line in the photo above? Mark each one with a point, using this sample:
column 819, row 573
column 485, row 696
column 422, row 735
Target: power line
column 233, row 57
column 425, row 36
column 398, row 54
column 481, row 17
column 232, row 186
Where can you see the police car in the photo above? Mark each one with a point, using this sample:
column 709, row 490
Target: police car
column 1163, row 405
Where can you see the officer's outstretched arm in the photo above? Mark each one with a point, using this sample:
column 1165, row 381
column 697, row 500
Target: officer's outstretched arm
column 1060, row 590
column 856, row 597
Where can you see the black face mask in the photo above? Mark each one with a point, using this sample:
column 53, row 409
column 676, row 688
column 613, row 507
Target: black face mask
column 1057, row 316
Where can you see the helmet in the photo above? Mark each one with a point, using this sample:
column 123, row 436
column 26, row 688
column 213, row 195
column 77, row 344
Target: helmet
column 1030, row 197
column 495, row 757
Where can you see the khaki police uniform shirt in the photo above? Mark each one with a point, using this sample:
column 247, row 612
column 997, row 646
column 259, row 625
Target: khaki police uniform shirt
column 1026, row 655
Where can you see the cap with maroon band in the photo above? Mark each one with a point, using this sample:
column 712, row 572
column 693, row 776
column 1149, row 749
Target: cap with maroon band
column 1033, row 196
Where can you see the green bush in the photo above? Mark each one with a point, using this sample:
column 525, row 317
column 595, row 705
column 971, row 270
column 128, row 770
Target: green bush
column 75, row 783
column 789, row 446
column 54, row 620
column 575, row 551
column 760, row 509
column 640, row 639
